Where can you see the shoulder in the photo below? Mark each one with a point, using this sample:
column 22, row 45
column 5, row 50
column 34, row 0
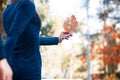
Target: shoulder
column 25, row 3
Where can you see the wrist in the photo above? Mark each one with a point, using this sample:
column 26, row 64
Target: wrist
column 4, row 60
column 59, row 39
column 2, row 53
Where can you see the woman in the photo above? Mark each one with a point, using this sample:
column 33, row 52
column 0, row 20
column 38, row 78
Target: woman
column 22, row 27
column 5, row 70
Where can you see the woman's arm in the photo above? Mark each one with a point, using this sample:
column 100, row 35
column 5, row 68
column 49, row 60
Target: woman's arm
column 24, row 14
column 49, row 40
column 5, row 70
column 2, row 52
column 54, row 40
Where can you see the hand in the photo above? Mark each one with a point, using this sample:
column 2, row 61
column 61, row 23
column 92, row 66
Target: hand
column 5, row 70
column 64, row 35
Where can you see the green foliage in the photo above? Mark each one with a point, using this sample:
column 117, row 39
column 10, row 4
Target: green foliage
column 43, row 9
column 109, row 9
column 46, row 30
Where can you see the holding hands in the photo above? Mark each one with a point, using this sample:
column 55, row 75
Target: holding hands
column 69, row 25
column 64, row 35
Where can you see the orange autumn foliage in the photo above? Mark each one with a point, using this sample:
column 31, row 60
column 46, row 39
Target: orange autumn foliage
column 92, row 56
column 106, row 60
column 83, row 59
column 111, row 52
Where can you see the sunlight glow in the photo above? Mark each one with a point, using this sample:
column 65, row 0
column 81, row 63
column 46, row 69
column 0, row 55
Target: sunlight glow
column 64, row 8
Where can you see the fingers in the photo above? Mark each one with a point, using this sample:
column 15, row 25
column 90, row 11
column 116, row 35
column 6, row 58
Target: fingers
column 70, row 35
column 3, row 77
column 64, row 35
column 9, row 78
column 67, row 36
column 6, row 77
column 67, row 33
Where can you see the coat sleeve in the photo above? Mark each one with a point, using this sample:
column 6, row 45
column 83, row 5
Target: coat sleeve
column 48, row 40
column 24, row 14
column 2, row 52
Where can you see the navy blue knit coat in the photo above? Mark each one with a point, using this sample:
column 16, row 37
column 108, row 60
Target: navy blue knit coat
column 22, row 27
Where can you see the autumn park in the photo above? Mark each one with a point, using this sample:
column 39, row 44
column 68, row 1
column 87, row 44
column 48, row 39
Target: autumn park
column 93, row 51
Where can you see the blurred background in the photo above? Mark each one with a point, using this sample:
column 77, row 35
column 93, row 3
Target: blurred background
column 93, row 52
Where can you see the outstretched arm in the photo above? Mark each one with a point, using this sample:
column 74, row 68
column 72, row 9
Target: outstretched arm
column 54, row 40
column 49, row 40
